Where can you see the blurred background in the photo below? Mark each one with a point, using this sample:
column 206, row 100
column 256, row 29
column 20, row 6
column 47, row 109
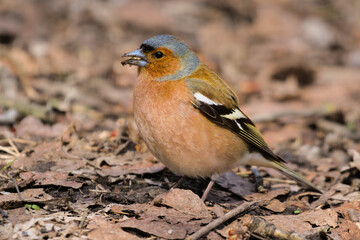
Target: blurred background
column 68, row 139
column 60, row 60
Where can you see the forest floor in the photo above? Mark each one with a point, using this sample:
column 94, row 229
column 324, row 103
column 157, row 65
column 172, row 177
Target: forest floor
column 72, row 163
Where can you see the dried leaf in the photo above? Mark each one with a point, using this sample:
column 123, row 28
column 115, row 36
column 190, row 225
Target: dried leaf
column 50, row 178
column 276, row 206
column 236, row 184
column 160, row 228
column 184, row 201
column 37, row 195
column 103, row 229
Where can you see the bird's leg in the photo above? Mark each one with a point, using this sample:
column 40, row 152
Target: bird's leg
column 207, row 190
column 209, row 186
column 259, row 183
column 178, row 183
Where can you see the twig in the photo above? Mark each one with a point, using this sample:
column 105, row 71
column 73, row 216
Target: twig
column 24, row 141
column 11, row 150
column 16, row 186
column 99, row 191
column 7, row 150
column 3, row 176
column 236, row 211
column 83, row 218
column 278, row 180
column 260, row 226
column 244, row 173
column 6, row 157
column 14, row 147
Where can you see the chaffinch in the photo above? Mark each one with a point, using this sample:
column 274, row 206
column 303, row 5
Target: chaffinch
column 189, row 117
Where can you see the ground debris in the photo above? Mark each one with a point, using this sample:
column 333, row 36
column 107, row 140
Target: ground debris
column 73, row 164
column 260, row 226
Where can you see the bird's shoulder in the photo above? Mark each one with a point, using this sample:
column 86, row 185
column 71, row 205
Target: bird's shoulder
column 209, row 84
column 214, row 99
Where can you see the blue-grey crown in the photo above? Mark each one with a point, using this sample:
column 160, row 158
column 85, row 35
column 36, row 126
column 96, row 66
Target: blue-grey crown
column 176, row 45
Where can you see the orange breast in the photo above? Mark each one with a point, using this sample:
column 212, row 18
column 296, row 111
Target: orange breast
column 178, row 135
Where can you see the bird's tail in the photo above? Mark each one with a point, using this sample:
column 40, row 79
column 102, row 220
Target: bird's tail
column 293, row 175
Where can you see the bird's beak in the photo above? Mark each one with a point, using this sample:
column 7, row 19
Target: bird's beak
column 136, row 58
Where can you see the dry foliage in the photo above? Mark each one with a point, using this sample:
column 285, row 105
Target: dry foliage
column 72, row 164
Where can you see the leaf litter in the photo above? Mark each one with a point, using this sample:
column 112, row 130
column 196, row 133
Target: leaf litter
column 72, row 162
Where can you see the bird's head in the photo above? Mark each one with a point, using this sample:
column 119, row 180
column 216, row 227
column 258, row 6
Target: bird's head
column 163, row 57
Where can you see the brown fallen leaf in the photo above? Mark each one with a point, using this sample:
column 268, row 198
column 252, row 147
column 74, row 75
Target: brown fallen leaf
column 103, row 229
column 276, row 206
column 37, row 195
column 236, row 184
column 217, row 210
column 346, row 230
column 261, row 197
column 32, row 128
column 39, row 159
column 137, row 164
column 176, row 223
column 184, row 201
column 159, row 228
column 49, row 156
column 169, row 215
column 51, row 178
column 352, row 196
column 230, row 228
column 303, row 222
column 17, row 215
column 350, row 211
column 356, row 158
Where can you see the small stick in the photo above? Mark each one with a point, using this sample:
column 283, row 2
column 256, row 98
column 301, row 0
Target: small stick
column 7, row 150
column 6, row 157
column 24, row 141
column 99, row 191
column 83, row 218
column 245, row 173
column 16, row 186
column 3, row 176
column 278, row 180
column 236, row 211
column 14, row 147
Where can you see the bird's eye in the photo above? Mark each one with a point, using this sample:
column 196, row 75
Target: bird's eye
column 159, row 54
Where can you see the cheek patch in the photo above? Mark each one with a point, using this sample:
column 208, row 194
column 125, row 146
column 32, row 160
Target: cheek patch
column 170, row 66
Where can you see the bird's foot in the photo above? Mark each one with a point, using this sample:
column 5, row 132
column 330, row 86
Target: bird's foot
column 259, row 182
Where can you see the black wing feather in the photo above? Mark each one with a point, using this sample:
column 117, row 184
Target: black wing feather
column 255, row 141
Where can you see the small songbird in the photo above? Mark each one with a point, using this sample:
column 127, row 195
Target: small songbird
column 189, row 117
